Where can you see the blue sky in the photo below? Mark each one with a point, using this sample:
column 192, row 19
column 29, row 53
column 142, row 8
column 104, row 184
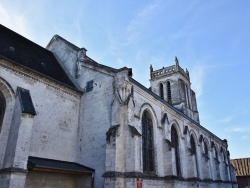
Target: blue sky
column 210, row 38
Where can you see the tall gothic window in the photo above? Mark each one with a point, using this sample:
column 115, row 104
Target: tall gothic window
column 147, row 142
column 2, row 109
column 215, row 154
column 217, row 166
column 225, row 165
column 192, row 143
column 224, row 157
column 205, row 149
column 193, row 150
column 187, row 96
column 169, row 97
column 161, row 91
column 175, row 142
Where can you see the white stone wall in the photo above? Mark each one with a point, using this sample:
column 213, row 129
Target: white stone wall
column 95, row 120
column 72, row 126
column 110, row 103
column 54, row 132
column 163, row 153
column 95, row 105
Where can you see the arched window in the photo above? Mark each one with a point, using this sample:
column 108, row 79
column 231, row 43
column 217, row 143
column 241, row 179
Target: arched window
column 225, row 165
column 175, row 142
column 2, row 109
column 161, row 91
column 193, row 150
column 147, row 142
column 205, row 149
column 217, row 165
column 169, row 97
column 192, row 144
column 215, row 154
column 224, row 157
column 187, row 95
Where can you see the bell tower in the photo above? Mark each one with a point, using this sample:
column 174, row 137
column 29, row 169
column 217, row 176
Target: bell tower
column 173, row 85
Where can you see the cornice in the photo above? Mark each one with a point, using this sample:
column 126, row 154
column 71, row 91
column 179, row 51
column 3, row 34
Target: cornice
column 33, row 77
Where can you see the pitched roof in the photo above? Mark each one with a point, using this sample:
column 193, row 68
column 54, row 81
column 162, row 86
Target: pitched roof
column 36, row 163
column 242, row 166
column 28, row 54
column 88, row 60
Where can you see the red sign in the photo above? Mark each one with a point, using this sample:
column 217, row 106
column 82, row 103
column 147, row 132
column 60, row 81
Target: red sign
column 138, row 184
column 197, row 183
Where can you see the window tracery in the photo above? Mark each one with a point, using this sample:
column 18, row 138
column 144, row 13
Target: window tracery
column 147, row 142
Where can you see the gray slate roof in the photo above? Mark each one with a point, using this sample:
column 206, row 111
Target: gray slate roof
column 28, row 54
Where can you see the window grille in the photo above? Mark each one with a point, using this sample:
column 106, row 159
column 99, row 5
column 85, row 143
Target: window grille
column 161, row 91
column 169, row 97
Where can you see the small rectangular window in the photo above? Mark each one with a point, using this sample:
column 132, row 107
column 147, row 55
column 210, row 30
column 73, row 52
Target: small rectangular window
column 89, row 86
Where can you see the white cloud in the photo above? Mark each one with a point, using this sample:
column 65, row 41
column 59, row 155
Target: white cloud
column 77, row 25
column 199, row 73
column 225, row 119
column 138, row 24
column 238, row 129
column 197, row 78
column 15, row 21
column 245, row 137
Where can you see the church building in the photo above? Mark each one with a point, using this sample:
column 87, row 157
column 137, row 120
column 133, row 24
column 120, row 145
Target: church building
column 68, row 121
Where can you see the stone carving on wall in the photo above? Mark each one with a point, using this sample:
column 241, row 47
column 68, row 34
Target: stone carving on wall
column 133, row 131
column 81, row 55
column 111, row 132
column 124, row 94
column 176, row 61
column 170, row 144
column 193, row 98
column 164, row 118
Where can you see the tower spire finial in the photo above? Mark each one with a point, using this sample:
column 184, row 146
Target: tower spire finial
column 187, row 72
column 176, row 61
column 151, row 70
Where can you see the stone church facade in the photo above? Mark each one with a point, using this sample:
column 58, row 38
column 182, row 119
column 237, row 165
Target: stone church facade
column 68, row 121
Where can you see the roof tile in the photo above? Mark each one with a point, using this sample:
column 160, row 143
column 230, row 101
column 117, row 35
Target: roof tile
column 242, row 166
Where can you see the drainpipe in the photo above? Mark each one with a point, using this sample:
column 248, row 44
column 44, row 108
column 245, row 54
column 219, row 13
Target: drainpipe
column 229, row 167
column 93, row 180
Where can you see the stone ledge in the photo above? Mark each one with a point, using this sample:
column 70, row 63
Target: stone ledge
column 9, row 170
column 115, row 174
